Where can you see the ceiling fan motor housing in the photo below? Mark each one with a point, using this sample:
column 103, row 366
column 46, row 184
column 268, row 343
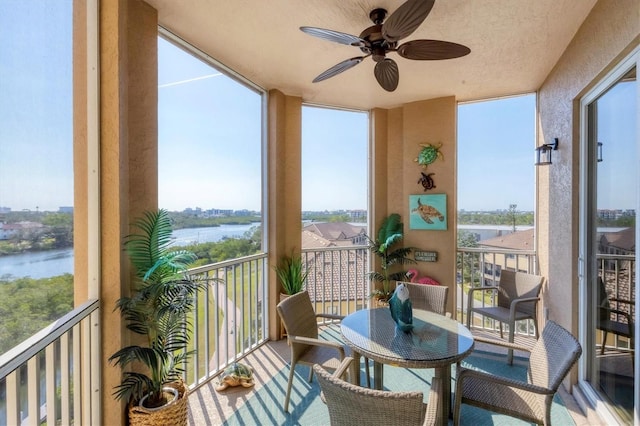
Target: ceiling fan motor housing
column 376, row 44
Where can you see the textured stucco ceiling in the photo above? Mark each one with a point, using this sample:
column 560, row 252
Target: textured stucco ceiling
column 514, row 45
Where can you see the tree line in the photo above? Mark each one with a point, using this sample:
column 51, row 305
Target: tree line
column 508, row 218
column 56, row 230
column 27, row 305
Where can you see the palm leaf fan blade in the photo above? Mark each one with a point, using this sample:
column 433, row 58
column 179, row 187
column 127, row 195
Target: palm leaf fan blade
column 432, row 50
column 338, row 68
column 335, row 36
column 406, row 19
column 387, row 74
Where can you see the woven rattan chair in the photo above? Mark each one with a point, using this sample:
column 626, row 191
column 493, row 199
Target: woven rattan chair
column 301, row 324
column 428, row 297
column 551, row 358
column 518, row 295
column 349, row 404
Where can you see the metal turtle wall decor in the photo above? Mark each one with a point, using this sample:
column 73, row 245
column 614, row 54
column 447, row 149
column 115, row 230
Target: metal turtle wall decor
column 426, row 181
column 428, row 154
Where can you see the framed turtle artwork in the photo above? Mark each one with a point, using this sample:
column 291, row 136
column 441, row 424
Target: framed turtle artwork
column 428, row 212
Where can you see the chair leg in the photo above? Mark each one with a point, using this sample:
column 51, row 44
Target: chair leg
column 501, row 336
column 604, row 341
column 289, row 384
column 511, row 338
column 310, row 374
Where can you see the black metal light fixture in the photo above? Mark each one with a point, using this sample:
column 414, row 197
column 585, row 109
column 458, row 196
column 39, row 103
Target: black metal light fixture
column 543, row 152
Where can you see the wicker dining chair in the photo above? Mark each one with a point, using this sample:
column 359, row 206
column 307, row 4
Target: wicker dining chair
column 618, row 320
column 300, row 321
column 550, row 360
column 518, row 295
column 351, row 405
column 428, row 297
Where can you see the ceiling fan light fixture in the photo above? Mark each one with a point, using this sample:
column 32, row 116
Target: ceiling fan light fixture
column 378, row 54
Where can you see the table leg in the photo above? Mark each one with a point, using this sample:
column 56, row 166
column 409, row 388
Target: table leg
column 444, row 373
column 355, row 369
column 378, row 372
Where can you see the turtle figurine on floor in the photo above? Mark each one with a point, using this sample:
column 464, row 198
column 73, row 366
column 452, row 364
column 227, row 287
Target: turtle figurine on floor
column 236, row 374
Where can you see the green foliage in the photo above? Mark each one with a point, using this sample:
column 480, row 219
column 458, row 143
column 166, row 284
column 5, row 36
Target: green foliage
column 291, row 273
column 162, row 297
column 621, row 222
column 58, row 220
column 28, row 305
column 466, row 239
column 57, row 232
column 389, row 236
column 331, row 217
column 180, row 220
column 495, row 218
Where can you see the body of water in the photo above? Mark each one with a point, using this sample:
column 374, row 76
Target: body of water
column 57, row 262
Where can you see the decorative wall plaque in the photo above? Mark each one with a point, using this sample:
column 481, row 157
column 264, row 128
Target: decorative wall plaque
column 425, row 256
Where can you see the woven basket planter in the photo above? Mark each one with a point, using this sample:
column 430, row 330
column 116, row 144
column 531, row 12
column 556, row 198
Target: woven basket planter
column 173, row 414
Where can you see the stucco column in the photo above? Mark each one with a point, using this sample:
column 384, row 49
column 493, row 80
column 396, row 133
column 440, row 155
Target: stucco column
column 128, row 162
column 284, row 218
column 396, row 137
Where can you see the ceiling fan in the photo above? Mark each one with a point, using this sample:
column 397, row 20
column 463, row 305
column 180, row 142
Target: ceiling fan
column 383, row 37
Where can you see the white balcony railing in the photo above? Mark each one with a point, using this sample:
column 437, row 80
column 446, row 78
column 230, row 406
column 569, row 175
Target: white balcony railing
column 231, row 315
column 337, row 282
column 618, row 273
column 479, row 267
column 54, row 376
column 51, row 373
column 230, row 318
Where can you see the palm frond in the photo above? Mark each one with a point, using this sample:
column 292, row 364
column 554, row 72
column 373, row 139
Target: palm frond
column 390, row 232
column 159, row 308
column 150, row 357
column 133, row 387
column 147, row 247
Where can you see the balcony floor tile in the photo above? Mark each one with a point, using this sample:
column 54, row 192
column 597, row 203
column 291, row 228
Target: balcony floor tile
column 262, row 404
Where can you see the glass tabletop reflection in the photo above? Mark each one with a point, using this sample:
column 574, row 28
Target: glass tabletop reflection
column 435, row 340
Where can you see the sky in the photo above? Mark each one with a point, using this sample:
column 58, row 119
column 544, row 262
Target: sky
column 496, row 143
column 200, row 143
column 210, row 133
column 615, row 128
column 35, row 105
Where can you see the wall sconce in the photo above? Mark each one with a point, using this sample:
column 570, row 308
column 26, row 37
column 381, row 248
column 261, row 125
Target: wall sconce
column 599, row 155
column 543, row 152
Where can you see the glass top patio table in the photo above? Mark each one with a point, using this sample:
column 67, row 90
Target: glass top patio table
column 436, row 341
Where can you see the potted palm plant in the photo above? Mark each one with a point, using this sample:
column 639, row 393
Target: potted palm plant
column 162, row 296
column 292, row 274
column 386, row 247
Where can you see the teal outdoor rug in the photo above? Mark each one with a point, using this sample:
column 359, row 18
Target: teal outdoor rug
column 306, row 407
